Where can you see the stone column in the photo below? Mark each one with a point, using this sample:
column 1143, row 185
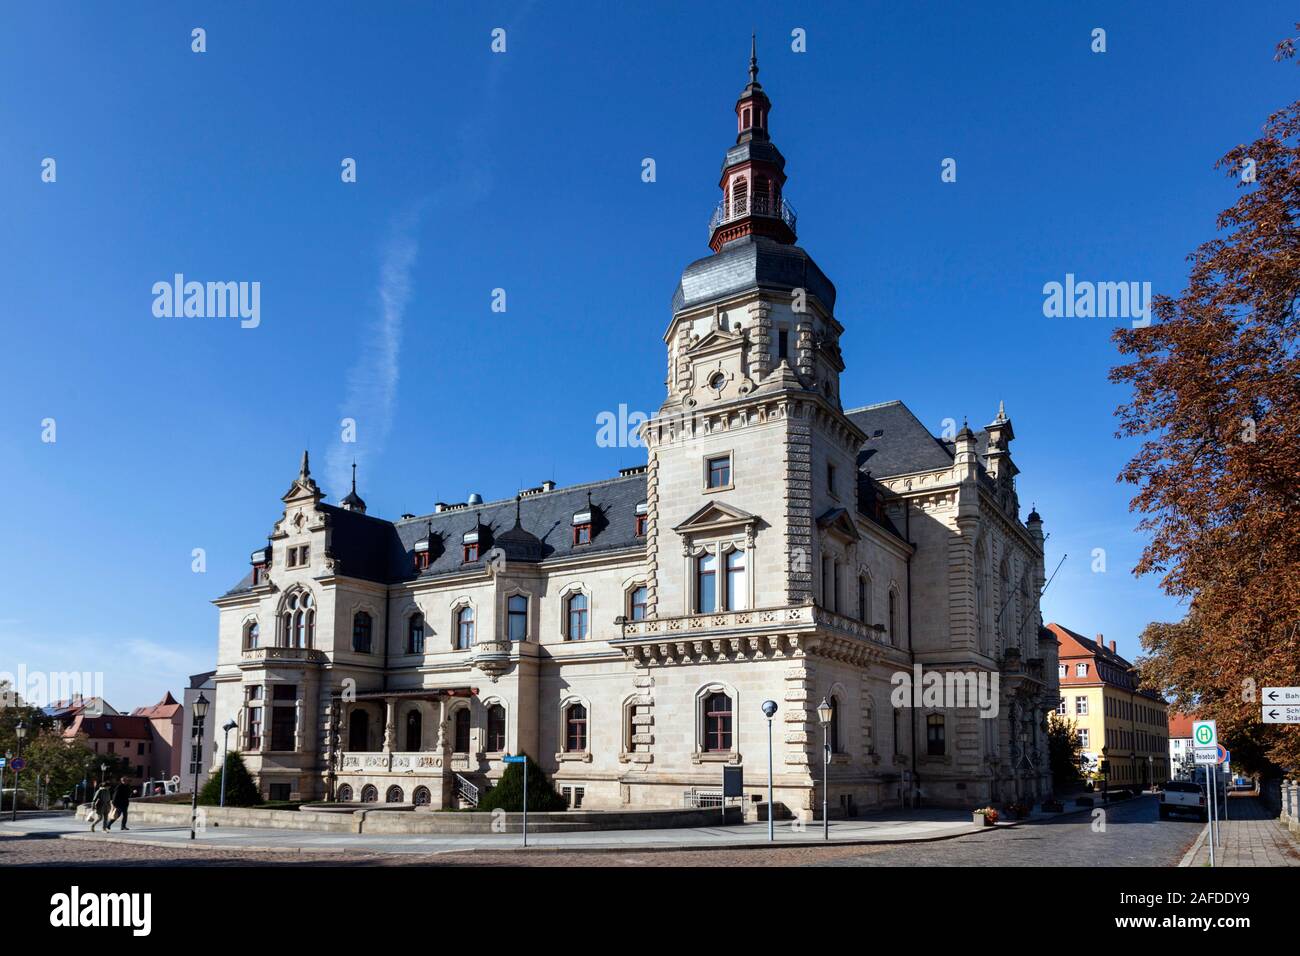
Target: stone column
column 390, row 724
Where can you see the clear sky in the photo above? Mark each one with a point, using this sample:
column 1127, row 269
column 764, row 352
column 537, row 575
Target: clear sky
column 522, row 171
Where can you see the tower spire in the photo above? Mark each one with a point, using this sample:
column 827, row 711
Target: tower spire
column 753, row 58
column 304, row 471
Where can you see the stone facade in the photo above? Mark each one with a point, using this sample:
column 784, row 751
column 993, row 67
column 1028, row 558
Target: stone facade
column 774, row 547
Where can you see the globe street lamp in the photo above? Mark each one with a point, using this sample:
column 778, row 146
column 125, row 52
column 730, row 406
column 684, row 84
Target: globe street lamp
column 769, row 711
column 20, row 731
column 824, row 711
column 200, row 711
column 228, row 726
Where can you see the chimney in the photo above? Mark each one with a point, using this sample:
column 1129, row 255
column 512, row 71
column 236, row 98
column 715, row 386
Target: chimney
column 1112, row 647
column 548, row 486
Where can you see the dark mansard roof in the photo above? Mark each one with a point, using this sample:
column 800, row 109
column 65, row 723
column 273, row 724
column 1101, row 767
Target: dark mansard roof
column 748, row 263
column 898, row 444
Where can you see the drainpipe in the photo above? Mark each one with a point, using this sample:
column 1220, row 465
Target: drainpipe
column 911, row 653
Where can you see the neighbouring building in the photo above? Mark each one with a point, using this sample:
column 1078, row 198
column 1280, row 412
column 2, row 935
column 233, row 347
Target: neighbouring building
column 1116, row 720
column 625, row 632
column 1181, row 758
column 165, row 721
column 199, row 753
column 121, row 736
column 64, row 712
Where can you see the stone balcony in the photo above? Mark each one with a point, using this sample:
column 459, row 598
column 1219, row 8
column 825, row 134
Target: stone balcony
column 260, row 656
column 762, row 632
column 493, row 657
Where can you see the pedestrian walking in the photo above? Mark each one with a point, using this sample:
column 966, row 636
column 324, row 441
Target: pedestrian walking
column 100, row 804
column 121, row 804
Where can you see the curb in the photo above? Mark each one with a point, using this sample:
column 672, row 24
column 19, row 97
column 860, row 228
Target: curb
column 1195, row 848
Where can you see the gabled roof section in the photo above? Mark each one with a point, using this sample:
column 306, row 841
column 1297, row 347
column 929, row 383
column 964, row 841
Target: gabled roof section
column 897, row 443
column 715, row 515
column 838, row 520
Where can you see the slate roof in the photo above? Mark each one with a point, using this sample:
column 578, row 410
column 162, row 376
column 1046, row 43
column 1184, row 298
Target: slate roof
column 373, row 549
column 897, row 443
column 115, row 727
column 752, row 262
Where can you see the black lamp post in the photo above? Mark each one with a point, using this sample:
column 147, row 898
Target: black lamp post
column 20, row 731
column 228, row 726
column 824, row 711
column 200, row 711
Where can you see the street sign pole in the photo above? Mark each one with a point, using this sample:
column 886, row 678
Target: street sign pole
column 525, row 801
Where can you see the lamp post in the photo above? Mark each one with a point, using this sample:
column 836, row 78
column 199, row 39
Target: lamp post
column 228, row 726
column 9, row 755
column 769, row 711
column 20, row 732
column 200, row 711
column 824, row 712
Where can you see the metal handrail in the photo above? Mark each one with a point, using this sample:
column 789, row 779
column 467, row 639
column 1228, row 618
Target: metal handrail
column 725, row 212
column 466, row 791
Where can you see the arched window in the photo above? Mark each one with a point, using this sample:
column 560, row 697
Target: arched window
column 739, row 197
column 415, row 634
column 981, row 614
column 311, row 619
column 414, row 731
column 736, row 590
column 369, row 794
column 394, row 794
column 359, row 731
column 252, row 634
column 833, row 731
column 1026, row 609
column 1004, row 598
column 460, row 735
column 421, row 797
column 864, row 599
column 575, row 728
column 717, row 723
column 299, row 628
column 577, row 613
column 637, row 603
column 894, row 635
column 936, row 744
column 343, row 794
column 706, row 583
column 464, row 628
column 496, row 728
column 361, row 632
column 517, row 617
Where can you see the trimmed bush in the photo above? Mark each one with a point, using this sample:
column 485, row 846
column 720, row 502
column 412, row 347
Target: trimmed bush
column 508, row 794
column 241, row 791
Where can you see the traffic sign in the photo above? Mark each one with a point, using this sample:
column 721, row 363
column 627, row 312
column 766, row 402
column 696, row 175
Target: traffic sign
column 1206, row 755
column 1225, row 755
column 18, row 763
column 1281, row 715
column 1282, row 695
column 509, row 759
column 3, row 762
column 1205, row 733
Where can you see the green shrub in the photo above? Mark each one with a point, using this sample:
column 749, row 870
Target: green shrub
column 241, row 791
column 508, row 794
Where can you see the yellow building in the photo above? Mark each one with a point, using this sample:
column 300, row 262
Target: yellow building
column 1117, row 722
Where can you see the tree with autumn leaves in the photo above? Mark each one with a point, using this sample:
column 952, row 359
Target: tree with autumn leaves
column 1215, row 384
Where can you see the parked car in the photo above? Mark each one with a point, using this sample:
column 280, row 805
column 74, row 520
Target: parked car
column 1182, row 796
column 1242, row 783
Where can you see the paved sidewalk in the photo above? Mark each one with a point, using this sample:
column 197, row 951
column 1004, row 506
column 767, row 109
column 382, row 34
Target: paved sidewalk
column 916, row 826
column 1251, row 836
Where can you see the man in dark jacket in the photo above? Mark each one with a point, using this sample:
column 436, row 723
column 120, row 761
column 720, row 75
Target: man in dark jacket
column 121, row 803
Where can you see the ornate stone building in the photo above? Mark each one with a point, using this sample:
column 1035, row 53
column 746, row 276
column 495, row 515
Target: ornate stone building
column 625, row 633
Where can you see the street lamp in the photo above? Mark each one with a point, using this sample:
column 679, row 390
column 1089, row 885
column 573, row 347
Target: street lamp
column 769, row 711
column 20, row 731
column 228, row 726
column 9, row 755
column 200, row 711
column 824, row 711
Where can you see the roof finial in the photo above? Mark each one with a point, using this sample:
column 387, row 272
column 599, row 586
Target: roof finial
column 354, row 477
column 753, row 57
column 518, row 523
column 1002, row 411
column 304, row 471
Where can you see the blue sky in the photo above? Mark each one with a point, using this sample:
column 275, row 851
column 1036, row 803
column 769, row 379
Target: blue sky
column 521, row 171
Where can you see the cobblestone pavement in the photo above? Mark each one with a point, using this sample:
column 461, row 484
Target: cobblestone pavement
column 1133, row 836
column 1250, row 836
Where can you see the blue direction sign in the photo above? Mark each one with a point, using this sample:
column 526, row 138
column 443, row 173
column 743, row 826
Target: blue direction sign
column 509, row 759
column 4, row 762
column 19, row 763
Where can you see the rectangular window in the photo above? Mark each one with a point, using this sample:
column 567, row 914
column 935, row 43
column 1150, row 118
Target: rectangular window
column 936, row 744
column 1083, row 737
column 706, row 586
column 283, row 725
column 782, row 345
column 830, row 479
column 1080, row 670
column 139, row 750
column 279, row 791
column 640, row 526
column 582, row 534
column 255, row 728
column 719, row 472
column 517, row 615
column 285, row 692
column 1081, row 706
column 737, row 592
column 1060, row 708
column 638, row 603
column 470, row 553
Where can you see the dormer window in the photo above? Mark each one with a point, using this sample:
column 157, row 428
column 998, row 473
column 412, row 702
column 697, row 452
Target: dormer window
column 582, row 527
column 260, row 559
column 642, row 515
column 469, row 547
column 422, row 554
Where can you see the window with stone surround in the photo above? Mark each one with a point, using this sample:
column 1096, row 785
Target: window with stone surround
column 464, row 628
column 717, row 472
column 415, row 634
column 496, row 728
column 717, row 723
column 575, row 728
column 936, row 744
column 576, row 613
column 362, row 632
column 636, row 603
